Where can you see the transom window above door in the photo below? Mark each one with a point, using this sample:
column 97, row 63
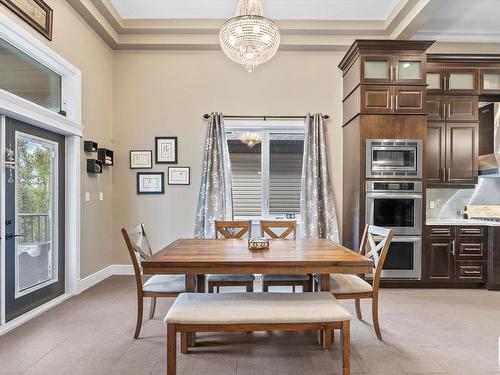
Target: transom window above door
column 266, row 166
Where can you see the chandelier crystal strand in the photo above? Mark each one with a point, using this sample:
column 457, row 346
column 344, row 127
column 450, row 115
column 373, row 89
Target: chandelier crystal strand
column 249, row 38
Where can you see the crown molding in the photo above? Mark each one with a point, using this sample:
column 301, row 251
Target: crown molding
column 458, row 37
column 202, row 34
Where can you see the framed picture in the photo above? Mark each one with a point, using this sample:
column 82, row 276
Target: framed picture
column 36, row 13
column 141, row 159
column 150, row 183
column 179, row 175
column 166, row 150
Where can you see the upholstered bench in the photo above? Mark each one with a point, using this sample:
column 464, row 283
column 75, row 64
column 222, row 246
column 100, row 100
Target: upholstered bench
column 244, row 312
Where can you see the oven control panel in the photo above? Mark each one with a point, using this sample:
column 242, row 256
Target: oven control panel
column 394, row 186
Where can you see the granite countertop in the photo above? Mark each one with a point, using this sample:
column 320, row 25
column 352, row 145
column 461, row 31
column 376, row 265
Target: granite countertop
column 462, row 222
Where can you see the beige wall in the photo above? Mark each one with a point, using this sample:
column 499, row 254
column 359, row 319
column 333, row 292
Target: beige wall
column 166, row 93
column 75, row 41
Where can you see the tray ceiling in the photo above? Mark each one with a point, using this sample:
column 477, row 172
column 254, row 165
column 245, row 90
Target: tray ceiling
column 276, row 9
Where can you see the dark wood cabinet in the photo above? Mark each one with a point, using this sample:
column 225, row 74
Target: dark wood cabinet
column 462, row 108
column 452, row 153
column 462, row 153
column 489, row 81
column 455, row 254
column 440, row 260
column 393, row 69
column 452, row 108
column 435, row 152
column 378, row 99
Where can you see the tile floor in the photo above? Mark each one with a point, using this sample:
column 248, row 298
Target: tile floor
column 433, row 331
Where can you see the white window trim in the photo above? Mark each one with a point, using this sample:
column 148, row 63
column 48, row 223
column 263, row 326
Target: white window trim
column 70, row 126
column 266, row 128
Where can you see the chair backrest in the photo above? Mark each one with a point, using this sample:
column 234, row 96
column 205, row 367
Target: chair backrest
column 138, row 248
column 233, row 229
column 289, row 228
column 375, row 245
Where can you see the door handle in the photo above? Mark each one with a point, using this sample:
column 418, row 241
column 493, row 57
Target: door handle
column 449, row 110
column 397, row 105
column 444, row 111
column 10, row 236
column 392, row 102
column 453, row 247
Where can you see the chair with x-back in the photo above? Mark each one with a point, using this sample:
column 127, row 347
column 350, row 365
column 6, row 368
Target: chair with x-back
column 375, row 244
column 156, row 286
column 283, row 229
column 227, row 230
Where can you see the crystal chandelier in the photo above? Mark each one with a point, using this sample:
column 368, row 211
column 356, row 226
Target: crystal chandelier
column 250, row 139
column 249, row 38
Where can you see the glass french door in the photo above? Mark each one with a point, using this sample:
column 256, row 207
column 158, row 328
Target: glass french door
column 34, row 217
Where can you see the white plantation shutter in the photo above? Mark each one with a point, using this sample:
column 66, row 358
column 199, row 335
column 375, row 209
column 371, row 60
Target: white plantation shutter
column 282, row 158
column 247, row 184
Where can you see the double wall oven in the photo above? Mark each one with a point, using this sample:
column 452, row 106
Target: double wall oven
column 393, row 194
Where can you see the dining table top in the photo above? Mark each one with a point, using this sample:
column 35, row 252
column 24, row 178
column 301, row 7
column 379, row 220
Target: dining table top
column 201, row 256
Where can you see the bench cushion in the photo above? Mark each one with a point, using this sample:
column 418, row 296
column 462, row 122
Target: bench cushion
column 248, row 308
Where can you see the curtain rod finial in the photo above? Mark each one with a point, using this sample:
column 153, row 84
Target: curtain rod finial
column 206, row 116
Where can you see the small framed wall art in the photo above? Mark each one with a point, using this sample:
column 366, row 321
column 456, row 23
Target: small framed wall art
column 179, row 175
column 141, row 159
column 150, row 183
column 166, row 150
column 36, row 13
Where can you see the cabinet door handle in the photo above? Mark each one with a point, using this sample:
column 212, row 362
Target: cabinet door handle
column 449, row 174
column 453, row 247
column 397, row 105
column 397, row 72
column 392, row 102
column 444, row 83
column 449, row 110
column 392, row 72
column 444, row 174
column 444, row 111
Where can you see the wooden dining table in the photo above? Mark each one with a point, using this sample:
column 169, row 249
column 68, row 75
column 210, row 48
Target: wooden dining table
column 196, row 258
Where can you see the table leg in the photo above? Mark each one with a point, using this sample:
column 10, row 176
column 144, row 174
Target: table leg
column 324, row 282
column 200, row 280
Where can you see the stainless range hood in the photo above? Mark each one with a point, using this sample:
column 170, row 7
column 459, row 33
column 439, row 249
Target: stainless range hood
column 489, row 140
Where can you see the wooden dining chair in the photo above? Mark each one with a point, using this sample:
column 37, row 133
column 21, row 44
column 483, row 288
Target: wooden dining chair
column 374, row 245
column 225, row 230
column 156, row 286
column 288, row 228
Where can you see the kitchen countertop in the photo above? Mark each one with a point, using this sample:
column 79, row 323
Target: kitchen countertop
column 463, row 222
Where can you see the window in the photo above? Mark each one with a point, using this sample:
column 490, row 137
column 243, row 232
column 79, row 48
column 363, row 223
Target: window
column 266, row 178
column 23, row 76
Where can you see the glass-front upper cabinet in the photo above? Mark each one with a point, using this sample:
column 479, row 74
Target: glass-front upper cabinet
column 461, row 81
column 490, row 81
column 376, row 69
column 409, row 69
column 393, row 69
column 435, row 81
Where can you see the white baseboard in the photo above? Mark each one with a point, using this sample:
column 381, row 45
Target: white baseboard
column 97, row 277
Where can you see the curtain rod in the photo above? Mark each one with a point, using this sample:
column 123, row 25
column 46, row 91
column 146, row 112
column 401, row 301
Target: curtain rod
column 206, row 116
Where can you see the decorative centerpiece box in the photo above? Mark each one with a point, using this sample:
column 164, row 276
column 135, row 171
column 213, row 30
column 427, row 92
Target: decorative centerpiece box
column 258, row 244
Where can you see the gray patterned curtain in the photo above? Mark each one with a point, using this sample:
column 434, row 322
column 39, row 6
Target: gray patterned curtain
column 317, row 206
column 216, row 199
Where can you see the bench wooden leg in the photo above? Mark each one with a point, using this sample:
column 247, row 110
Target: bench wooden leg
column 327, row 339
column 171, row 349
column 346, row 348
column 184, row 342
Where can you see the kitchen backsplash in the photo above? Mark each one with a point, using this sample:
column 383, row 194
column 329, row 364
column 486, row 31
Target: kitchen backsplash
column 447, row 203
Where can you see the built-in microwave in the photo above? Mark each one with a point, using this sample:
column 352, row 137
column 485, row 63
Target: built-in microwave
column 400, row 158
column 396, row 205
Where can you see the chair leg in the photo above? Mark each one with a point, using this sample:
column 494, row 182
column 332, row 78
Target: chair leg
column 333, row 336
column 376, row 324
column 346, row 348
column 327, row 340
column 210, row 287
column 152, row 308
column 265, row 287
column 293, row 288
column 171, row 349
column 140, row 306
column 357, row 304
column 249, row 287
column 218, row 289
